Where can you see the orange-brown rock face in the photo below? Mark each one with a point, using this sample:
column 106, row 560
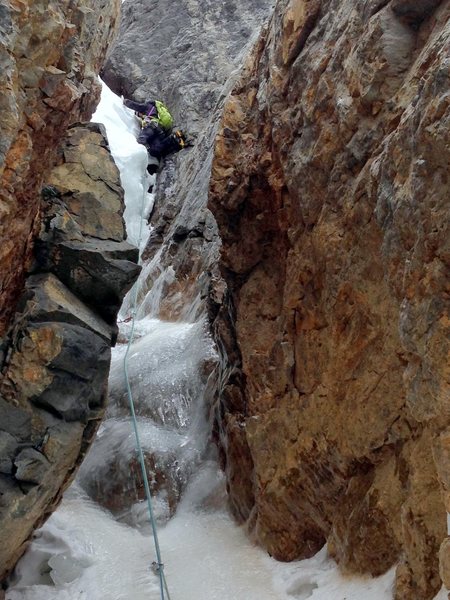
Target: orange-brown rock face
column 55, row 352
column 55, row 360
column 330, row 188
column 50, row 53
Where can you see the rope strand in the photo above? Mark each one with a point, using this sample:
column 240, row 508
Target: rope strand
column 159, row 563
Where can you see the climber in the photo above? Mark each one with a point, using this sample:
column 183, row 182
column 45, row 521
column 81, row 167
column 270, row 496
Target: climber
column 156, row 129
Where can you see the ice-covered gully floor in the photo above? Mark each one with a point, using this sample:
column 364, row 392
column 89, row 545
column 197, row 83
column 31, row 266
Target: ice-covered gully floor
column 84, row 553
column 206, row 558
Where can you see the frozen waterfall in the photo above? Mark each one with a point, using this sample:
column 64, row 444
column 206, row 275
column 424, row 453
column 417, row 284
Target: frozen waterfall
column 97, row 545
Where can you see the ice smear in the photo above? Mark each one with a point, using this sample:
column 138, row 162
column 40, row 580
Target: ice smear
column 206, row 556
column 164, row 366
column 131, row 159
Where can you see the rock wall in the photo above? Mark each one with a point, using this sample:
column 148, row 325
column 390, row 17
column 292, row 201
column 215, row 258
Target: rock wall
column 181, row 52
column 50, row 54
column 330, row 189
column 61, row 223
column 53, row 383
column 56, row 357
column 187, row 60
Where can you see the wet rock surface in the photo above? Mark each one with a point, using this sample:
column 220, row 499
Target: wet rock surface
column 330, row 189
column 117, row 483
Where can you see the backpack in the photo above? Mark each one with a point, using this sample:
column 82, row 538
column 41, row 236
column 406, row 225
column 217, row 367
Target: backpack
column 164, row 117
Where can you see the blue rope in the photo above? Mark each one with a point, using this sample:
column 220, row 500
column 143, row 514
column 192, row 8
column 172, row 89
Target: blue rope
column 159, row 566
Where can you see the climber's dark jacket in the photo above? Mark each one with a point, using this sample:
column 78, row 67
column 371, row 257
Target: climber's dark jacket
column 160, row 144
column 156, row 124
column 141, row 107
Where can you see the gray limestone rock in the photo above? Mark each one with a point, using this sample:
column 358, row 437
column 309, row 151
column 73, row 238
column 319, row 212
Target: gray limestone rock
column 99, row 272
column 68, row 396
column 31, row 466
column 15, row 420
column 78, row 374
column 186, row 53
column 88, row 185
column 8, row 449
column 47, row 299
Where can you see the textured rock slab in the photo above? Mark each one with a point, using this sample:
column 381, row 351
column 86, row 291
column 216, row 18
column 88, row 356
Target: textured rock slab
column 55, row 361
column 329, row 191
column 89, row 183
column 82, row 239
column 25, row 504
column 50, row 57
column 49, row 300
column 60, row 366
column 98, row 272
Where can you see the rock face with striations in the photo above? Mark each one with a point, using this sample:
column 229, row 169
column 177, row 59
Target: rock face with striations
column 50, row 54
column 183, row 52
column 330, row 189
column 61, row 224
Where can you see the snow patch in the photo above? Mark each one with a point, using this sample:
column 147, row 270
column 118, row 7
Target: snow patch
column 131, row 159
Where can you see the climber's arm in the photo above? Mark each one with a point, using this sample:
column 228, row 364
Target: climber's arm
column 141, row 107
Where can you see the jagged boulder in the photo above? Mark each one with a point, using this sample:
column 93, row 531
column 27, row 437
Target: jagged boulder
column 56, row 356
column 50, row 55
